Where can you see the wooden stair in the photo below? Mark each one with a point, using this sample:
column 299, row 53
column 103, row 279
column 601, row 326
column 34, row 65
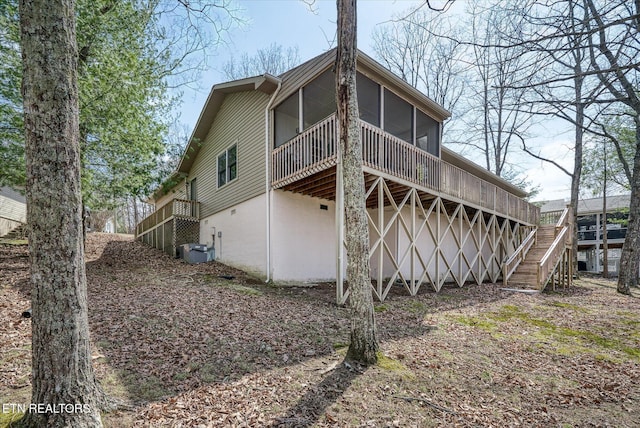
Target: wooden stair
column 526, row 275
column 19, row 232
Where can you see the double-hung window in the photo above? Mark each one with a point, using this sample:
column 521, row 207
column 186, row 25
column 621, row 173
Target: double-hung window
column 228, row 165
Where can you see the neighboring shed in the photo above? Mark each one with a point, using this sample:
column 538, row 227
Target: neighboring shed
column 13, row 210
column 590, row 230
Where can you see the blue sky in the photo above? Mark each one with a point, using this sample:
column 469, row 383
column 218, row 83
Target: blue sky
column 293, row 23
column 288, row 23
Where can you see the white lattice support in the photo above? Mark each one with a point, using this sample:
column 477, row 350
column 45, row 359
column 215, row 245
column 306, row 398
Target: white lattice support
column 423, row 224
column 413, row 287
column 383, row 232
column 449, row 230
column 488, row 235
column 496, row 259
column 412, row 242
column 173, row 234
column 464, row 238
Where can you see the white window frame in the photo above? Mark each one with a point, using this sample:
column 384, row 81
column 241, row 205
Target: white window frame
column 227, row 172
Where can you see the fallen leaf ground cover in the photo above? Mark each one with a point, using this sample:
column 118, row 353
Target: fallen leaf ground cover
column 184, row 347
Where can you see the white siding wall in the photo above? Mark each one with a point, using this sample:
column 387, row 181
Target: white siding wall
column 242, row 244
column 302, row 238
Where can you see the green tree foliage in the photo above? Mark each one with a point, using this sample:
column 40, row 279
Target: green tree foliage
column 130, row 52
column 123, row 100
column 12, row 165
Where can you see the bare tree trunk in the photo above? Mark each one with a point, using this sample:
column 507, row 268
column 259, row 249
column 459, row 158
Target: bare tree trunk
column 623, row 89
column 62, row 374
column 364, row 346
column 136, row 217
column 629, row 261
column 605, row 244
column 577, row 156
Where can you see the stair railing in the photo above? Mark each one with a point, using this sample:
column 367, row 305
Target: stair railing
column 518, row 256
column 553, row 255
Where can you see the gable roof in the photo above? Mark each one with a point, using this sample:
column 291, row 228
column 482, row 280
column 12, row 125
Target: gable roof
column 299, row 76
column 12, row 194
column 265, row 83
column 590, row 205
column 12, row 205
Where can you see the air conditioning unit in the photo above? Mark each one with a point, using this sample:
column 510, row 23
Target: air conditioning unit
column 196, row 253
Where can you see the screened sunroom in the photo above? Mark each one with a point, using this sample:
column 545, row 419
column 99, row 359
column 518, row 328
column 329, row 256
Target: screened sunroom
column 378, row 106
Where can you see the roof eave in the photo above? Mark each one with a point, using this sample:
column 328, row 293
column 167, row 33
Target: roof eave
column 265, row 83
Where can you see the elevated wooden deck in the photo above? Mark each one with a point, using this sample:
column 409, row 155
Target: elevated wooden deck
column 307, row 164
column 171, row 225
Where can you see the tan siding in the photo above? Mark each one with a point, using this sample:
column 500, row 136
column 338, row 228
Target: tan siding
column 240, row 120
column 177, row 192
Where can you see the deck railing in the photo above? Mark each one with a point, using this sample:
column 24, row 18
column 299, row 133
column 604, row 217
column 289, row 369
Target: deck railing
column 551, row 217
column 317, row 149
column 177, row 208
column 312, row 151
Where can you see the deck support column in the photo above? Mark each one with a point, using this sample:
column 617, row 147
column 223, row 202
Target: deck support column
column 381, row 229
column 439, row 242
column 414, row 286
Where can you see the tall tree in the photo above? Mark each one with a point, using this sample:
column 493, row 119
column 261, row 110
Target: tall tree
column 614, row 30
column 497, row 119
column 61, row 363
column 274, row 59
column 560, row 83
column 364, row 346
column 12, row 169
column 412, row 49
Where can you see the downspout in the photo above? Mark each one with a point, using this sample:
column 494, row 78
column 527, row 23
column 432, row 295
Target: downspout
column 267, row 181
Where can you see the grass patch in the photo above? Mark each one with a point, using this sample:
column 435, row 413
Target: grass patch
column 391, row 365
column 15, row 355
column 417, row 307
column 479, row 322
column 380, row 308
column 10, row 418
column 448, row 297
column 508, row 313
column 248, row 291
column 627, row 314
column 569, row 306
column 241, row 289
column 4, row 241
column 149, row 388
column 568, row 341
column 340, row 345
